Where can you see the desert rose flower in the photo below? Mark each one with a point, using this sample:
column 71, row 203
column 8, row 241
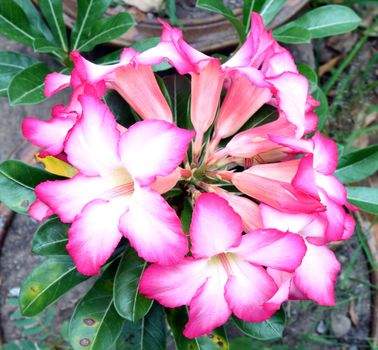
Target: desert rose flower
column 111, row 195
column 225, row 273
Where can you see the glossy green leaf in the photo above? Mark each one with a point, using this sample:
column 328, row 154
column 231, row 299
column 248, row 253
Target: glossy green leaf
column 327, row 20
column 147, row 334
column 309, row 73
column 26, row 87
column 366, row 198
column 186, row 215
column 270, row 9
column 51, row 238
column 46, row 46
column 95, row 324
column 358, row 165
column 292, row 35
column 219, row 7
column 120, row 108
column 17, row 182
column 89, row 12
column 14, row 23
column 38, row 26
column 127, row 300
column 10, row 64
column 267, row 330
column 177, row 318
column 106, row 30
column 322, row 110
column 53, row 12
column 47, row 283
column 248, row 7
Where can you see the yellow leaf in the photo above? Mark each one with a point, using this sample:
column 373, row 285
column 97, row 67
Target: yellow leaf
column 56, row 166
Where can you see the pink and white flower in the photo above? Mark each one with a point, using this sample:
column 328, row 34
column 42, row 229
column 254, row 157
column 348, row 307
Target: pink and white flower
column 111, row 195
column 225, row 273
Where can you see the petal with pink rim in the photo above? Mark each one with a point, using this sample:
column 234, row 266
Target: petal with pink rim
column 153, row 148
column 283, row 281
column 272, row 248
column 248, row 289
column 55, row 82
column 92, row 144
column 94, row 234
column 292, row 92
column 215, row 226
column 208, row 309
column 67, row 198
column 39, row 211
column 153, row 228
column 317, row 274
column 277, row 194
column 174, row 285
column 49, row 134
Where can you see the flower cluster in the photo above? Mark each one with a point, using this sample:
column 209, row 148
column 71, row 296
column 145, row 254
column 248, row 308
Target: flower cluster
column 266, row 202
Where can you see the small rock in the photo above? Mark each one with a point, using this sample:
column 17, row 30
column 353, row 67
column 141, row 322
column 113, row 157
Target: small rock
column 321, row 328
column 341, row 324
column 353, row 347
column 14, row 292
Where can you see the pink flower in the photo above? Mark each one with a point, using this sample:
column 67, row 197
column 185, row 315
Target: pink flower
column 225, row 273
column 111, row 195
column 315, row 277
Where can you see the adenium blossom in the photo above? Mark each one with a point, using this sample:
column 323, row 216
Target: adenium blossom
column 225, row 273
column 111, row 195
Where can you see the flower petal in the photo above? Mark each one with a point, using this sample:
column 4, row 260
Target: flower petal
column 272, row 248
column 94, row 234
column 247, row 291
column 138, row 86
column 55, row 82
column 317, row 274
column 153, row 228
column 92, row 144
column 208, row 309
column 67, row 198
column 153, row 148
column 174, row 285
column 39, row 211
column 215, row 226
column 49, row 134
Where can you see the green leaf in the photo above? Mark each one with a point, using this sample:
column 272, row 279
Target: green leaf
column 14, row 24
column 366, row 198
column 248, row 7
column 127, row 300
column 327, row 20
column 51, row 238
column 37, row 24
column 219, row 7
column 309, row 73
column 10, row 64
column 47, row 283
column 88, row 13
column 267, row 330
column 26, row 87
column 358, row 165
column 186, row 215
column 270, row 10
column 292, row 35
column 322, row 110
column 17, row 182
column 95, row 323
column 53, row 12
column 46, row 46
column 120, row 108
column 106, row 30
column 147, row 334
column 178, row 317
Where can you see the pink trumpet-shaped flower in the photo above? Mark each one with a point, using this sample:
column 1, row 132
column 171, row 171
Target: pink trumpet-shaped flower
column 225, row 273
column 315, row 277
column 111, row 194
